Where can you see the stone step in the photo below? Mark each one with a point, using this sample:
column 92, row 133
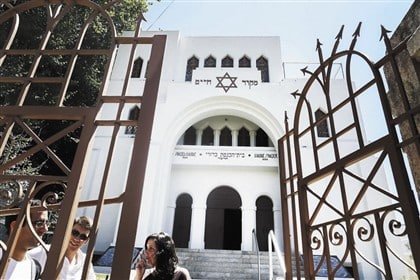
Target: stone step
column 212, row 264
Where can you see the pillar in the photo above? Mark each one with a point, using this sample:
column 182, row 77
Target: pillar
column 248, row 224
column 198, row 223
column 216, row 137
column 235, row 134
column 278, row 227
column 170, row 219
column 198, row 136
column 253, row 137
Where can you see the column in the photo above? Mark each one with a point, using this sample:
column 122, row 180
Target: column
column 216, row 139
column 278, row 227
column 198, row 136
column 170, row 214
column 198, row 223
column 252, row 136
column 248, row 224
column 235, row 134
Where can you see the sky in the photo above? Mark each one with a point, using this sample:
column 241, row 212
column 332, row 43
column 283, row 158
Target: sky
column 298, row 23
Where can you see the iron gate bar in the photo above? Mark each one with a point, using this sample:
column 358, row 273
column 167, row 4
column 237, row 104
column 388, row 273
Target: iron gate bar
column 389, row 146
column 83, row 116
column 401, row 89
column 135, row 179
column 284, row 198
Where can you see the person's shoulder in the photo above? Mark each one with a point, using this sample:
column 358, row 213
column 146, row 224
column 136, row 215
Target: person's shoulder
column 39, row 250
column 183, row 271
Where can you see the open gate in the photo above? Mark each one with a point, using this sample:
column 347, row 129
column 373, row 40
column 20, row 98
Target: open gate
column 331, row 215
column 24, row 116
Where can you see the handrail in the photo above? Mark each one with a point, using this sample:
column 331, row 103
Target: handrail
column 272, row 240
column 254, row 235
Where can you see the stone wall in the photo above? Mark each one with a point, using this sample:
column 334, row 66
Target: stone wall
column 409, row 66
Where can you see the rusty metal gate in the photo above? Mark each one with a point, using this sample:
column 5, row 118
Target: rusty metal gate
column 331, row 214
column 23, row 115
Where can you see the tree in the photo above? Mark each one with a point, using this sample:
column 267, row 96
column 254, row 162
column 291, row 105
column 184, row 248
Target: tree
column 85, row 81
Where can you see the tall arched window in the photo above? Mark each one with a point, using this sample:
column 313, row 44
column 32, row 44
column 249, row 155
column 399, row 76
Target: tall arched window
column 210, row 62
column 261, row 138
column 227, row 61
column 262, row 65
column 207, row 137
column 138, row 64
column 322, row 127
column 133, row 115
column 192, row 63
column 243, row 137
column 182, row 221
column 225, row 137
column 264, row 220
column 244, row 62
column 190, row 136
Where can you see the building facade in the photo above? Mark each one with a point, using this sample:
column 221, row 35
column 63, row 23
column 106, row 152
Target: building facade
column 213, row 171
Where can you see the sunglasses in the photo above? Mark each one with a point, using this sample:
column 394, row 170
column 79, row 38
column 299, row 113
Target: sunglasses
column 41, row 223
column 77, row 234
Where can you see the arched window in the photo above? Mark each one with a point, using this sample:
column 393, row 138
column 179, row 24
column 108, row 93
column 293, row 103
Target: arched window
column 136, row 72
column 264, row 220
column 227, row 61
column 225, row 137
column 207, row 137
column 261, row 138
column 192, row 63
column 182, row 221
column 210, row 62
column 244, row 62
column 322, row 127
column 133, row 115
column 190, row 136
column 243, row 137
column 262, row 65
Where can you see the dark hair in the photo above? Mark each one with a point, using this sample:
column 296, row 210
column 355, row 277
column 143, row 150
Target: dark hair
column 11, row 218
column 166, row 259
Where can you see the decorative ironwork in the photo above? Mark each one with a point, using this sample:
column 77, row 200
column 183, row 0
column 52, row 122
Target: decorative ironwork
column 313, row 222
column 24, row 108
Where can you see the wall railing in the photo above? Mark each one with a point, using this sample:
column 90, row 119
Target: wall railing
column 256, row 248
column 272, row 241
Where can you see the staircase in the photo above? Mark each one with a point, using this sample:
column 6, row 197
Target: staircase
column 223, row 264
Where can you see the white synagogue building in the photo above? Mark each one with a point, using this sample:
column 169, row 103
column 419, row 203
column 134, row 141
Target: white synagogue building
column 213, row 171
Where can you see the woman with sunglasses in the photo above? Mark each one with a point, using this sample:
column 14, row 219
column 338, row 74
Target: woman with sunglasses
column 160, row 256
column 74, row 257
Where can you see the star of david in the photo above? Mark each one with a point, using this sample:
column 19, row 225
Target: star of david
column 226, row 76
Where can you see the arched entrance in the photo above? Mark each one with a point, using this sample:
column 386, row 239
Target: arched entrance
column 182, row 221
column 223, row 220
column 264, row 221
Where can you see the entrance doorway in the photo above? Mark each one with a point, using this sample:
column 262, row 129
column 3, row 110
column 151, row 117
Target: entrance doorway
column 223, row 220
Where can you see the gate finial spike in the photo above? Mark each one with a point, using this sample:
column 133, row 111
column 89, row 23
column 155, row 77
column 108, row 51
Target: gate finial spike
column 318, row 45
column 305, row 70
column 285, row 116
column 337, row 40
column 295, row 93
column 340, row 33
column 319, row 50
column 357, row 31
column 384, row 33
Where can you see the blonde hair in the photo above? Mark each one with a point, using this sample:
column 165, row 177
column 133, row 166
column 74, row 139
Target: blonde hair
column 84, row 222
